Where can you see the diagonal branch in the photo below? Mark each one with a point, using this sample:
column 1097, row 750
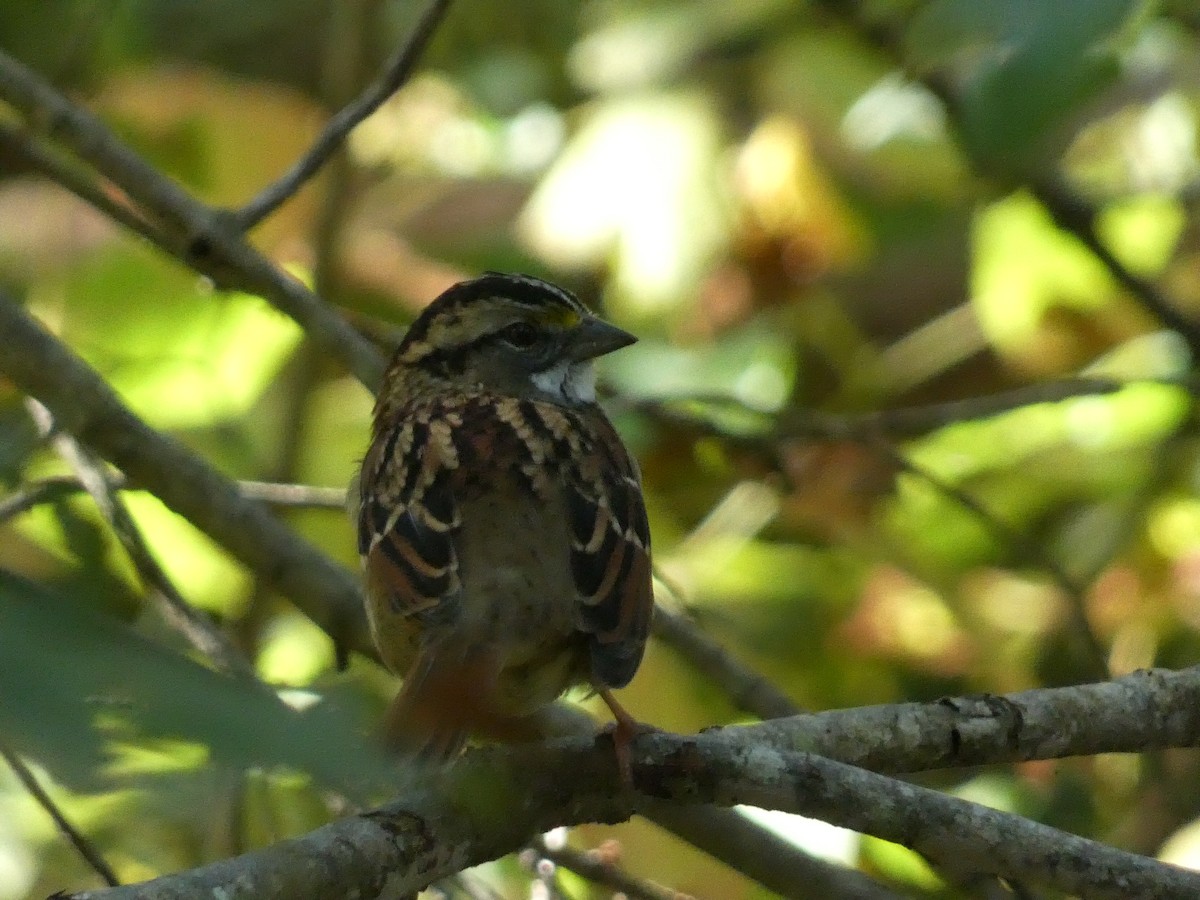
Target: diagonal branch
column 1147, row 710
column 187, row 229
column 396, row 72
column 86, row 406
column 914, row 421
column 199, row 631
column 1070, row 211
column 1075, row 214
column 91, row 855
column 19, row 144
column 273, row 493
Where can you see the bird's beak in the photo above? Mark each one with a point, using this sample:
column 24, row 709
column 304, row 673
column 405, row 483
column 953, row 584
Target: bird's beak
column 594, row 337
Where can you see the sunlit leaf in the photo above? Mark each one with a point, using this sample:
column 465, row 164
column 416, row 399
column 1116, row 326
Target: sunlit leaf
column 1024, row 265
column 637, row 186
column 180, row 355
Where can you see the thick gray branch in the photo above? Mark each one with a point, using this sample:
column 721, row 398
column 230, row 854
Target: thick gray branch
column 493, row 801
column 1146, row 710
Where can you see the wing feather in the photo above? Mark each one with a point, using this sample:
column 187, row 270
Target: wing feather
column 408, row 522
column 610, row 558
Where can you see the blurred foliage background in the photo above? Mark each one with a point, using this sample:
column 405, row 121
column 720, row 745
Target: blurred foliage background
column 777, row 198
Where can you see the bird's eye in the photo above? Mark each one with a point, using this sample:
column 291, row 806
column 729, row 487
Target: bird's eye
column 520, row 335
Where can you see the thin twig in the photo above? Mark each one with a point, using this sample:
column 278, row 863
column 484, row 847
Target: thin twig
column 1093, row 656
column 1071, row 212
column 20, row 144
column 395, row 73
column 593, row 866
column 77, row 839
column 182, row 616
column 914, row 421
column 187, row 229
column 298, row 496
column 45, row 490
column 295, row 496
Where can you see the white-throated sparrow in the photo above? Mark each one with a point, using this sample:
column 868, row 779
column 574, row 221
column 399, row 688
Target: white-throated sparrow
column 501, row 522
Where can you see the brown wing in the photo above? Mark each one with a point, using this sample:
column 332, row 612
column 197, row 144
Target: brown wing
column 610, row 556
column 408, row 519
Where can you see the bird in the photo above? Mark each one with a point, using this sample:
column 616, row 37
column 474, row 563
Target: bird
column 501, row 521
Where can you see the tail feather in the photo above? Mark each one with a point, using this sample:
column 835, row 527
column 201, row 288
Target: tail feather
column 448, row 697
column 442, row 700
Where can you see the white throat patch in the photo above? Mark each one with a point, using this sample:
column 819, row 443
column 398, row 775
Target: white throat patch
column 572, row 382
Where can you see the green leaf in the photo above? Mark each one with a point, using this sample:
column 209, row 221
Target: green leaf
column 72, row 680
column 180, row 356
column 1029, row 66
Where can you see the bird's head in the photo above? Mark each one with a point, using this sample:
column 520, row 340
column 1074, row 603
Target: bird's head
column 514, row 335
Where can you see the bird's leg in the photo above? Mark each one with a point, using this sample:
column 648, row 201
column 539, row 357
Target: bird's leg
column 623, row 732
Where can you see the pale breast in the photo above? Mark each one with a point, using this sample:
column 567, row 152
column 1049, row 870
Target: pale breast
column 518, row 595
column 515, row 569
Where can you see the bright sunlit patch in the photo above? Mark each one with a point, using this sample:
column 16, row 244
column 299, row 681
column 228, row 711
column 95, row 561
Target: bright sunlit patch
column 1183, row 847
column 1024, row 265
column 1161, row 151
column 893, row 108
column 631, row 53
column 463, row 147
column 298, row 699
column 1157, row 354
column 207, row 576
column 294, row 651
column 637, row 189
column 996, row 791
column 153, row 756
column 783, row 190
column 761, row 386
column 1143, row 231
column 1017, row 605
column 1174, row 527
column 1128, row 418
column 920, row 622
column 182, row 358
column 1133, row 647
column 432, row 124
column 1118, row 773
column 900, row 864
column 1090, row 421
column 532, row 137
column 18, row 868
column 813, row 836
column 754, row 365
